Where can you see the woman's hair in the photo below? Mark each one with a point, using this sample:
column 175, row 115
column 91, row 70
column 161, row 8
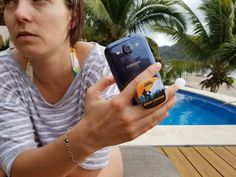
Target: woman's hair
column 77, row 20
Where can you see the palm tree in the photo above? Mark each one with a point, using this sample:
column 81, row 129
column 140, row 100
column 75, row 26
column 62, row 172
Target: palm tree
column 217, row 76
column 213, row 43
column 174, row 69
column 109, row 20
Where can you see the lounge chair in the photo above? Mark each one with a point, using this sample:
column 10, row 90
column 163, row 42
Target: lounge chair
column 146, row 161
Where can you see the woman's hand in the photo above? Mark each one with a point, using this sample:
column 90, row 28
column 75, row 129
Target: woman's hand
column 116, row 120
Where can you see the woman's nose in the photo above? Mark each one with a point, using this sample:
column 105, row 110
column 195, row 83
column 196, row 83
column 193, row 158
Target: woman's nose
column 23, row 11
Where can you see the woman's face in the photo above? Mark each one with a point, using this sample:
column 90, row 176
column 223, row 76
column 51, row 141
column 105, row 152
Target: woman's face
column 37, row 27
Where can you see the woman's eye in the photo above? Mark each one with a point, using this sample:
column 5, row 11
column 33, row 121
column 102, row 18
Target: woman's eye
column 12, row 3
column 40, row 1
column 9, row 3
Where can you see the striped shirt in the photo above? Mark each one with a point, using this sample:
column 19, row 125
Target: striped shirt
column 28, row 121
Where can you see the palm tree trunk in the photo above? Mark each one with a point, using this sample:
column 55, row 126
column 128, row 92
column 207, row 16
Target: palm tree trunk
column 214, row 88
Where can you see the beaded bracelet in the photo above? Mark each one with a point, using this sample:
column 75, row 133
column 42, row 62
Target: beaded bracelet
column 72, row 157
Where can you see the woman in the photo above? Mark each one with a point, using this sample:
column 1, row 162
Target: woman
column 2, row 174
column 59, row 119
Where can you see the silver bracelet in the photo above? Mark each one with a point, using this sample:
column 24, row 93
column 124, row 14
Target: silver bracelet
column 72, row 157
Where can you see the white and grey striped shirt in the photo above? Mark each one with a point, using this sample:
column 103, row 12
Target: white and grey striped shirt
column 27, row 120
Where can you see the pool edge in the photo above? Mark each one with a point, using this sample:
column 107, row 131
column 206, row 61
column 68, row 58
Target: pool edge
column 191, row 135
column 188, row 136
column 225, row 98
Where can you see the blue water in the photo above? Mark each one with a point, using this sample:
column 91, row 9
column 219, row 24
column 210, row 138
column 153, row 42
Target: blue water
column 195, row 109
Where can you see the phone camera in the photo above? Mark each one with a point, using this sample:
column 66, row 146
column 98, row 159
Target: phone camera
column 127, row 48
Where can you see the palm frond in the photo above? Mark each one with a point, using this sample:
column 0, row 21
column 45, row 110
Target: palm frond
column 155, row 12
column 98, row 8
column 219, row 15
column 175, row 68
column 198, row 28
column 126, row 10
column 234, row 30
column 118, row 9
column 227, row 53
column 185, row 41
column 186, row 66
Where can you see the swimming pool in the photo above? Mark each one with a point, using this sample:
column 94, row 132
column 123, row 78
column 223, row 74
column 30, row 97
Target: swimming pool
column 195, row 109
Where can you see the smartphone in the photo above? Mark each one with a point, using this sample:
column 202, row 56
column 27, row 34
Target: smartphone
column 127, row 58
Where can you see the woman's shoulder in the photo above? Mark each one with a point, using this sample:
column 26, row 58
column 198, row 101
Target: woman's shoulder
column 6, row 59
column 10, row 77
column 5, row 54
column 88, row 51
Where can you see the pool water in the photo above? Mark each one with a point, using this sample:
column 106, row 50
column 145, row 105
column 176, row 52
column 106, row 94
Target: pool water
column 195, row 109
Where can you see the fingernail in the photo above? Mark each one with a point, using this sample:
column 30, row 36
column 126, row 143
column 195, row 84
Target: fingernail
column 174, row 99
column 158, row 65
column 167, row 114
column 176, row 87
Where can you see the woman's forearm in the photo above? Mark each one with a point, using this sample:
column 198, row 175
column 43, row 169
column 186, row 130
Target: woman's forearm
column 53, row 159
column 2, row 174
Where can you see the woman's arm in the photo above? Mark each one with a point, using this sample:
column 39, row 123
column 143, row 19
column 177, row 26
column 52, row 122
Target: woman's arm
column 105, row 123
column 41, row 153
column 53, row 159
column 2, row 173
column 114, row 168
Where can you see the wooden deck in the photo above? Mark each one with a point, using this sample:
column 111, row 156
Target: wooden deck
column 212, row 161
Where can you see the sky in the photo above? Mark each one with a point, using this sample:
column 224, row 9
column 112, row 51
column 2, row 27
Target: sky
column 163, row 40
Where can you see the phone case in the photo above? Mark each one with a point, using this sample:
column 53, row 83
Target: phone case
column 127, row 58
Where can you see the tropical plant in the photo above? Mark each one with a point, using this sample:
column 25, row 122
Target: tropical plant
column 217, row 76
column 154, row 48
column 213, row 43
column 174, row 69
column 109, row 20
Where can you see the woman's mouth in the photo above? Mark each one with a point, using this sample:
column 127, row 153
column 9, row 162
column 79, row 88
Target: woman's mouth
column 25, row 34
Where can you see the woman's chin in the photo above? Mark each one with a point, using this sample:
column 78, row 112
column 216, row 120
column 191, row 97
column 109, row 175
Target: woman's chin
column 29, row 50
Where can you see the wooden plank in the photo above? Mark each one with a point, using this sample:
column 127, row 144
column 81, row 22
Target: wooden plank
column 226, row 155
column 202, row 166
column 232, row 149
column 161, row 150
column 183, row 166
column 221, row 166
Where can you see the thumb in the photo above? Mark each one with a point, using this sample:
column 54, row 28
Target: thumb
column 105, row 82
column 100, row 86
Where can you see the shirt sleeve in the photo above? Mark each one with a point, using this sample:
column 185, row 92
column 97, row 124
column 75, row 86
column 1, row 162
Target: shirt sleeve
column 16, row 132
column 97, row 68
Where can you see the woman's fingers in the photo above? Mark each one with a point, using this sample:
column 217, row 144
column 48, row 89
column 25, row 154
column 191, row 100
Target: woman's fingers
column 139, row 111
column 131, row 121
column 129, row 92
column 161, row 113
column 170, row 91
column 96, row 90
column 148, row 122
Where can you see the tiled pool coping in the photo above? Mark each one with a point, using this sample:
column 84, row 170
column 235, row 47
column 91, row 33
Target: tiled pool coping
column 191, row 135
